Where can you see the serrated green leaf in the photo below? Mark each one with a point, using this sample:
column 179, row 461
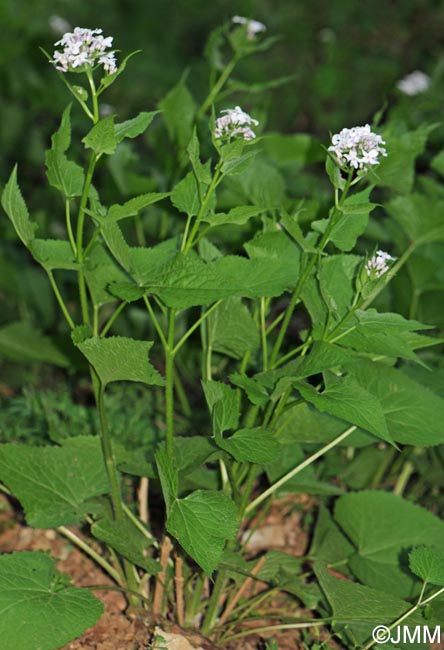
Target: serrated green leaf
column 336, row 277
column 349, row 401
column 382, row 333
column 15, row 207
column 32, row 596
column 169, row 478
column 256, row 393
column 125, row 538
column 382, row 526
column 329, row 543
column 133, row 206
column 117, row 245
column 419, row 216
column 134, row 127
column 361, row 608
column 102, row 138
column 53, row 484
column 63, row 174
column 178, row 111
column 238, row 216
column 224, row 405
column 53, row 254
column 202, row 172
column 232, row 329
column 185, row 195
column 413, row 413
column 101, row 272
column 202, row 522
column 397, row 169
column 23, row 342
column 251, row 445
column 118, row 358
column 428, row 563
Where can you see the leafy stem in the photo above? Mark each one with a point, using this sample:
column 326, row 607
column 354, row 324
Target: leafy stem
column 79, row 236
column 308, row 461
column 169, row 383
column 188, row 243
column 307, row 271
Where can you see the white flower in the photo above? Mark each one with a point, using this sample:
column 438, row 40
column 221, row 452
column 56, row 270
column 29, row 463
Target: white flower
column 358, row 147
column 254, row 27
column 84, row 47
column 235, row 122
column 59, row 25
column 414, row 83
column 378, row 264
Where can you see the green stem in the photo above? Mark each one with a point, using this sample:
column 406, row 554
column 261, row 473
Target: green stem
column 155, row 322
column 181, row 394
column 95, row 102
column 114, row 484
column 389, row 275
column 275, row 628
column 91, row 552
column 186, row 245
column 69, row 227
column 407, row 470
column 112, row 318
column 213, row 605
column 79, row 237
column 113, row 477
column 60, row 300
column 169, row 384
column 308, row 461
column 306, row 273
column 194, row 327
column 263, row 335
column 212, row 95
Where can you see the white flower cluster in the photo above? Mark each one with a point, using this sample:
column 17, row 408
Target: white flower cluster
column 85, row 47
column 378, row 264
column 358, row 147
column 235, row 122
column 414, row 83
column 254, row 27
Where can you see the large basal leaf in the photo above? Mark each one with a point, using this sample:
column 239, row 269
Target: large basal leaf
column 414, row 414
column 383, row 527
column 15, row 207
column 22, row 341
column 360, row 609
column 38, row 609
column 120, row 359
column 53, row 484
column 349, row 401
column 202, row 522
